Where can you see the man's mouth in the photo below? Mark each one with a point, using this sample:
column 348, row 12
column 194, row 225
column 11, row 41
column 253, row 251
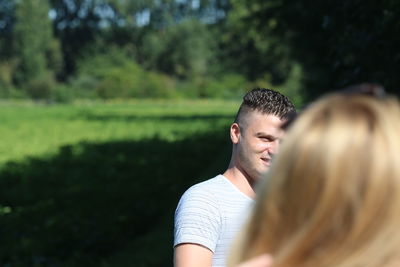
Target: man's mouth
column 266, row 161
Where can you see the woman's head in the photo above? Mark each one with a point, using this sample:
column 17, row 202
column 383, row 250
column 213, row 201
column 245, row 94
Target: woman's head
column 332, row 197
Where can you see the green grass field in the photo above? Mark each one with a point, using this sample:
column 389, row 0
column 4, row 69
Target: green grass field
column 29, row 129
column 96, row 184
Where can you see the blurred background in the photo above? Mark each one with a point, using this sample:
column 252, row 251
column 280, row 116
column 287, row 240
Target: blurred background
column 110, row 109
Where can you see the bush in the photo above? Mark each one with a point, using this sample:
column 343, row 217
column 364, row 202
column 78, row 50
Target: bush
column 63, row 94
column 115, row 75
column 118, row 82
column 6, row 84
column 228, row 86
column 41, row 87
column 185, row 50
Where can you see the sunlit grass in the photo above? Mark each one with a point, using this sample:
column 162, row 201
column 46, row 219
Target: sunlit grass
column 31, row 129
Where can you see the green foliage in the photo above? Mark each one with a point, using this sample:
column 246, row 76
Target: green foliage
column 63, row 94
column 249, row 51
column 54, row 56
column 82, row 86
column 292, row 86
column 228, row 86
column 7, row 69
column 106, row 194
column 114, row 75
column 188, row 48
column 185, row 50
column 126, row 49
column 41, row 86
column 336, row 44
column 6, row 21
column 34, row 40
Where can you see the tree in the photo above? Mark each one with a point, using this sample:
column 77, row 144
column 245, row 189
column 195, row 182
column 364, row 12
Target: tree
column 83, row 25
column 35, row 48
column 184, row 50
column 7, row 64
column 337, row 44
column 6, row 21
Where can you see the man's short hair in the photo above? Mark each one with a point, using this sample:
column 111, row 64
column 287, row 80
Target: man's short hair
column 268, row 102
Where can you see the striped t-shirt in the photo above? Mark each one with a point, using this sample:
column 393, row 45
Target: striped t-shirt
column 210, row 214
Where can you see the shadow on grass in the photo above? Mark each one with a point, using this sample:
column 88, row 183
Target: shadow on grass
column 106, row 204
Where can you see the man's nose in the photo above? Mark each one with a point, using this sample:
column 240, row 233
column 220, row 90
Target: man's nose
column 274, row 147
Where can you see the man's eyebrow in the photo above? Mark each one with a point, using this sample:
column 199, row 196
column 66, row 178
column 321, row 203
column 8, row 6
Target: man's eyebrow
column 265, row 135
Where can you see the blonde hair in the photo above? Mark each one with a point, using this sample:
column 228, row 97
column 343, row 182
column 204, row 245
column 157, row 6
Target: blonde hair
column 332, row 197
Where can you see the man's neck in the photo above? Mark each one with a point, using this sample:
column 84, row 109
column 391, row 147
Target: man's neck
column 240, row 180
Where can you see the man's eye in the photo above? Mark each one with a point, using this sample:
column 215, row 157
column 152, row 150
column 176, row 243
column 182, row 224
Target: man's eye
column 266, row 139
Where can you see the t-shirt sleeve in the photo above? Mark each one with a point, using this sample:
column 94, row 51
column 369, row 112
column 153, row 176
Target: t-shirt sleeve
column 197, row 219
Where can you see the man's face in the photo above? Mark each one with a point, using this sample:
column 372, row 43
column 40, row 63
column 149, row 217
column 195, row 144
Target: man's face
column 258, row 141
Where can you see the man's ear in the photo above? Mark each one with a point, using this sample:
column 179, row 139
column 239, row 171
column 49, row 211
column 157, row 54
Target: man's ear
column 235, row 133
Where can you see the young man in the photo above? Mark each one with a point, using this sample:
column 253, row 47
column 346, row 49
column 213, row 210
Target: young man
column 210, row 214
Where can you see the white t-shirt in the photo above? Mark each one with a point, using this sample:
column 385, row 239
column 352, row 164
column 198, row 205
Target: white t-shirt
column 211, row 214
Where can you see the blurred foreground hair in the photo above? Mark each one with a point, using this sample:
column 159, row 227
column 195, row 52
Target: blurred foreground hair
column 332, row 197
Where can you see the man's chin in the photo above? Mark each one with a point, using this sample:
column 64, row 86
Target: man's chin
column 262, row 174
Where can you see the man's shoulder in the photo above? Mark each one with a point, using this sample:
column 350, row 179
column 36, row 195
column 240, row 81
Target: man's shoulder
column 210, row 186
column 207, row 191
column 198, row 215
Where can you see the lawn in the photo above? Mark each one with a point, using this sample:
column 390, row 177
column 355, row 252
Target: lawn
column 29, row 129
column 96, row 184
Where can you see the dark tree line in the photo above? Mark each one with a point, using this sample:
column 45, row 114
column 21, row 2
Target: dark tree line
column 197, row 46
column 337, row 43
